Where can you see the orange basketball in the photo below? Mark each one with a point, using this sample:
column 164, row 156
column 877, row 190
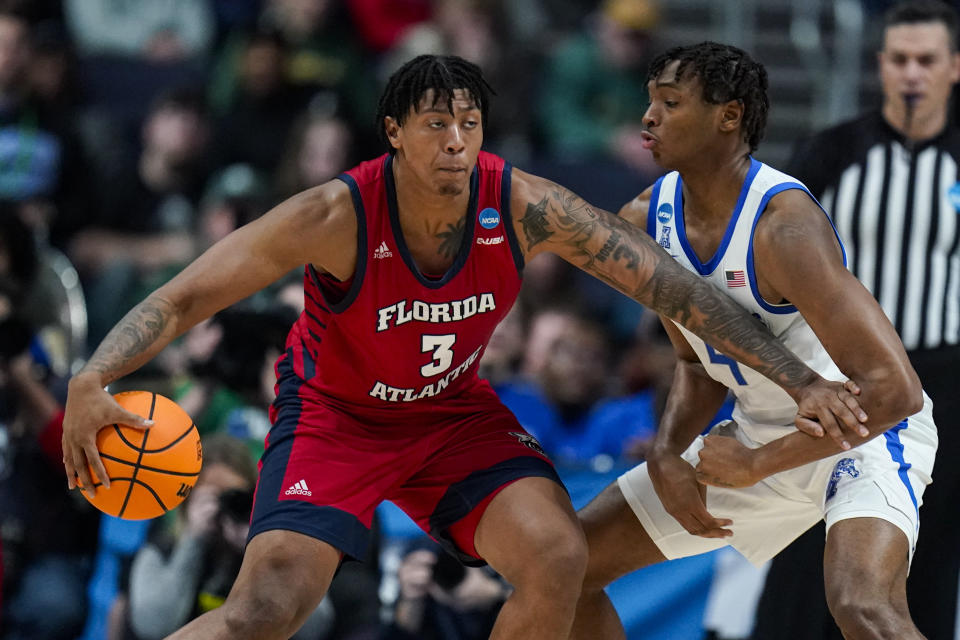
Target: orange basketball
column 151, row 470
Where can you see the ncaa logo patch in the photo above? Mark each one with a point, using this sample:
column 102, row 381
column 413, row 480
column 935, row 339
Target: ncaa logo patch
column 954, row 196
column 489, row 218
column 665, row 212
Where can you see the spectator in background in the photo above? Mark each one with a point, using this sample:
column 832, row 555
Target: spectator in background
column 568, row 405
column 234, row 195
column 381, row 23
column 254, row 122
column 888, row 179
column 325, row 60
column 159, row 32
column 320, row 147
column 48, row 535
column 38, row 159
column 193, row 555
column 476, row 30
column 500, row 362
column 147, row 212
column 441, row 599
column 593, row 88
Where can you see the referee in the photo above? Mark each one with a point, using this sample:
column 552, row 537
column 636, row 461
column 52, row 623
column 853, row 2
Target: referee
column 890, row 181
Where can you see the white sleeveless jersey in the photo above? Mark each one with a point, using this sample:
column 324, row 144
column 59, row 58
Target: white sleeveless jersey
column 762, row 409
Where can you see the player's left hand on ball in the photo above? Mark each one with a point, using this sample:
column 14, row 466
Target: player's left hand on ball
column 831, row 408
column 725, row 462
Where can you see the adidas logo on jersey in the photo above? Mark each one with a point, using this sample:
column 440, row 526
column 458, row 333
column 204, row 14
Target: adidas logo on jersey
column 299, row 489
column 383, row 251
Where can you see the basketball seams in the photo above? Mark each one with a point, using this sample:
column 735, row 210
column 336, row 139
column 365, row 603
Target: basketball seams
column 178, row 439
column 136, row 468
column 188, row 474
column 160, row 475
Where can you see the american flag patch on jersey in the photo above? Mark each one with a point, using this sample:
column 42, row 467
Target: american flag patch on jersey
column 735, row 278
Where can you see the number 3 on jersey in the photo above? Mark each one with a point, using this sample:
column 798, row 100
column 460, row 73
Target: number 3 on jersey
column 442, row 348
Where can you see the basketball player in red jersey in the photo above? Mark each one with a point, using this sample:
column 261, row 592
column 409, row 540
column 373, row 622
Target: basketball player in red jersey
column 412, row 259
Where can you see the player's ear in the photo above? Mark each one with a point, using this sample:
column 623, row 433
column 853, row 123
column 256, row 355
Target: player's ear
column 392, row 128
column 731, row 115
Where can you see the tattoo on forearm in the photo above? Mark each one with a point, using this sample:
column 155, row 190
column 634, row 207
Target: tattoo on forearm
column 133, row 335
column 699, row 306
column 608, row 246
column 451, row 239
column 534, row 223
column 626, row 258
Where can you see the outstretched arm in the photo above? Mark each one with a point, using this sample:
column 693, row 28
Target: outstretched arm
column 316, row 226
column 798, row 259
column 551, row 218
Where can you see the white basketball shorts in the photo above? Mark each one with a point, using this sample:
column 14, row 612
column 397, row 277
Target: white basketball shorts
column 883, row 478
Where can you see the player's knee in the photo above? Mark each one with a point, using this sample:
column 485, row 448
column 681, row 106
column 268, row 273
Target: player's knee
column 272, row 603
column 859, row 616
column 560, row 557
column 260, row 613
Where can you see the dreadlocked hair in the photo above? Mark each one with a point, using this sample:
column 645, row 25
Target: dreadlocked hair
column 726, row 73
column 444, row 75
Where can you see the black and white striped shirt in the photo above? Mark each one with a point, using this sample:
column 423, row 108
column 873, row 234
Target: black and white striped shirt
column 897, row 210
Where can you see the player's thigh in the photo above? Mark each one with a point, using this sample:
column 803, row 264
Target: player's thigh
column 477, row 454
column 285, row 570
column 531, row 518
column 866, row 560
column 617, row 542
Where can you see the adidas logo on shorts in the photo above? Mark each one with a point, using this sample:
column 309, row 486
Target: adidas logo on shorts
column 299, row 489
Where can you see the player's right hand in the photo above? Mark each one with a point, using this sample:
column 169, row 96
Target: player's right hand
column 675, row 482
column 831, row 407
column 89, row 409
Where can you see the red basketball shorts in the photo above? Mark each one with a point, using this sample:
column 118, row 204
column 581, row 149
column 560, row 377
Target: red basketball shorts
column 325, row 469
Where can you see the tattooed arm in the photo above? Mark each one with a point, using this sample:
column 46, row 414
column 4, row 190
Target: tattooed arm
column 317, row 226
column 551, row 218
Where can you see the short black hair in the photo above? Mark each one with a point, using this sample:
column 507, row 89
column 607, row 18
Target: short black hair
column 919, row 11
column 444, row 74
column 726, row 73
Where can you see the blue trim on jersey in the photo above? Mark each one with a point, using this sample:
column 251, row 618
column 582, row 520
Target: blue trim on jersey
column 506, row 182
column 466, row 243
column 782, row 309
column 705, row 269
column 361, row 268
column 895, row 447
column 652, row 208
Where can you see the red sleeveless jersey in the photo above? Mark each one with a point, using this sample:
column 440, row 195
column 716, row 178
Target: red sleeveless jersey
column 394, row 337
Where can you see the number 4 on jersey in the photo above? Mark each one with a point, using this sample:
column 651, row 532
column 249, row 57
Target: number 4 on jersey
column 442, row 348
column 719, row 358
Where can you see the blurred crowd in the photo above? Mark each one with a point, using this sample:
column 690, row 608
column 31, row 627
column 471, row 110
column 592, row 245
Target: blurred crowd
column 135, row 134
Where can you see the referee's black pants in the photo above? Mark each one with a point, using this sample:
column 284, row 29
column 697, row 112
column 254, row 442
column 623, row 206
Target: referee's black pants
column 793, row 605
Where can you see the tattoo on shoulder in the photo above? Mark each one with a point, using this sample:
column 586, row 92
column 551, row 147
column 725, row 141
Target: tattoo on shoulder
column 451, row 238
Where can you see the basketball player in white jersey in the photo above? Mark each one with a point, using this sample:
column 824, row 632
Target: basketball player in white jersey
column 758, row 235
